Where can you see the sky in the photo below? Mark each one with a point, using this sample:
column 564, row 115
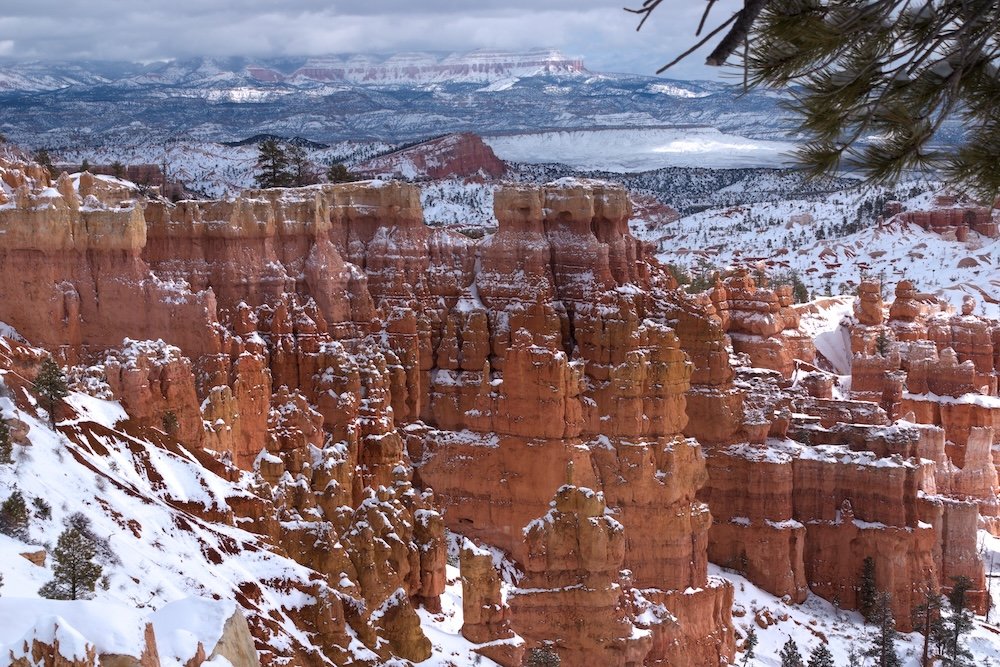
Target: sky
column 598, row 30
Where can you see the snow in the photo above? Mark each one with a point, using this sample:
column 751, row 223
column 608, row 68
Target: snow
column 109, row 627
column 158, row 558
column 639, row 149
column 808, row 237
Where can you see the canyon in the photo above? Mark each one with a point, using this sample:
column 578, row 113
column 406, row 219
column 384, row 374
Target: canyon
column 371, row 387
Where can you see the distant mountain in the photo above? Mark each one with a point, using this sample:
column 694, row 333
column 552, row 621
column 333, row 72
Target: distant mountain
column 400, row 98
column 475, row 67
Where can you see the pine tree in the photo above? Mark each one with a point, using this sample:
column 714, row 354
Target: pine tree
column 867, row 592
column 300, row 167
column 957, row 625
column 883, row 647
column 894, row 70
column 749, row 644
column 74, row 573
column 14, row 516
column 42, row 157
column 117, row 169
column 85, row 165
column 273, row 167
column 338, row 173
column 820, row 657
column 925, row 616
column 51, row 387
column 542, row 657
column 790, row 656
column 170, row 423
column 6, row 447
column 882, row 343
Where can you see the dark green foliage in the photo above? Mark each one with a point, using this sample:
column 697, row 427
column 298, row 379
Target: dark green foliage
column 958, row 624
column 170, row 423
column 117, row 169
column 274, row 168
column 800, row 293
column 51, row 387
column 883, row 647
column 877, row 85
column 79, row 522
column 14, row 516
column 542, row 657
column 927, row 618
column 300, row 167
column 820, row 657
column 790, row 656
column 42, row 508
column 85, row 165
column 338, row 173
column 867, row 592
column 749, row 644
column 74, row 573
column 42, row 157
column 882, row 343
column 6, row 447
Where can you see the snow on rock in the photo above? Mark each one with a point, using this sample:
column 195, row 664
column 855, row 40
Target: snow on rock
column 82, row 627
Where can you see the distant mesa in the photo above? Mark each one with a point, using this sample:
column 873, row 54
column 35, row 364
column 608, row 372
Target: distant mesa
column 477, row 66
column 461, row 155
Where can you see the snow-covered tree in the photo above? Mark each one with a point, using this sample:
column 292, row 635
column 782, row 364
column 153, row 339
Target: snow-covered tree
column 820, row 657
column 883, row 647
column 6, row 448
column 75, row 572
column 749, row 644
column 790, row 656
column 14, row 516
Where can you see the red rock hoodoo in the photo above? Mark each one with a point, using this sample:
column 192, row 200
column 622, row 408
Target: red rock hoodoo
column 385, row 382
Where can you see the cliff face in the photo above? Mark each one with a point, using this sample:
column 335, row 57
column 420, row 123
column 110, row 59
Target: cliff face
column 379, row 382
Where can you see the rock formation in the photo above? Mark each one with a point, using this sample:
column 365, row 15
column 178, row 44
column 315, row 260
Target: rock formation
column 380, row 381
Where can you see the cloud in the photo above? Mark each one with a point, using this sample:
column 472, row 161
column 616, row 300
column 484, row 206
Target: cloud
column 598, row 30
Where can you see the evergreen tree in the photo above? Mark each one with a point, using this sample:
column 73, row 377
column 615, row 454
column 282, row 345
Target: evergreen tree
column 820, row 657
column 882, row 343
column 542, row 657
column 170, row 423
column 85, row 165
column 273, row 167
column 338, row 173
column 891, row 69
column 300, row 167
column 749, row 644
column 74, row 573
column 117, row 169
column 14, row 516
column 883, row 647
column 867, row 592
column 51, row 387
column 42, row 157
column 957, row 625
column 790, row 656
column 6, row 447
column 925, row 616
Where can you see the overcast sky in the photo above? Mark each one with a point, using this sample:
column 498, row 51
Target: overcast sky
column 598, row 30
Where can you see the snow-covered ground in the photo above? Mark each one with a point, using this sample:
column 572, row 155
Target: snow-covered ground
column 640, row 149
column 816, row 620
column 808, row 237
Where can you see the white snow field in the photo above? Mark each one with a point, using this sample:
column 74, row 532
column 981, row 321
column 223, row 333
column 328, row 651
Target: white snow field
column 640, row 149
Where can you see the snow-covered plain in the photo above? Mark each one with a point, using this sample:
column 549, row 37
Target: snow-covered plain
column 640, row 149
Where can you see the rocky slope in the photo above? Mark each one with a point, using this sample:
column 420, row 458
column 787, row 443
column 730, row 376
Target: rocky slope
column 358, row 385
